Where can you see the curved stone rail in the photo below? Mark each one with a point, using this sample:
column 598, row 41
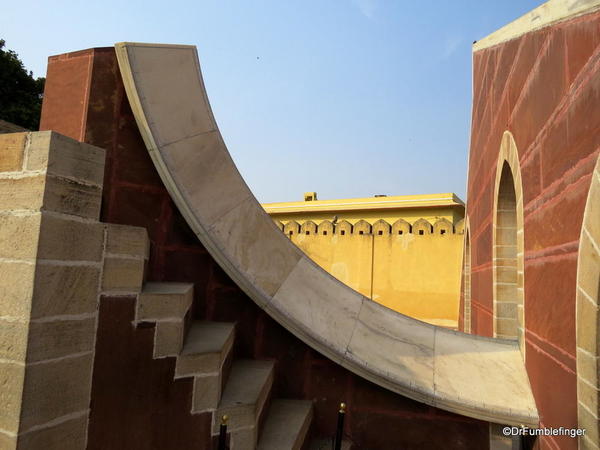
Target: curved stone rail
column 474, row 376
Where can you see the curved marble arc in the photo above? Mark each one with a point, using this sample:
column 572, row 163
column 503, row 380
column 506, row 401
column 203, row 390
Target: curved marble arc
column 475, row 376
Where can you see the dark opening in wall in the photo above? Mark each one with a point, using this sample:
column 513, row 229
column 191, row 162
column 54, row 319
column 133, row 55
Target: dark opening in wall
column 421, row 232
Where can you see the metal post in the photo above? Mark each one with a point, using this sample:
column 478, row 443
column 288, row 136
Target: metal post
column 223, row 434
column 337, row 445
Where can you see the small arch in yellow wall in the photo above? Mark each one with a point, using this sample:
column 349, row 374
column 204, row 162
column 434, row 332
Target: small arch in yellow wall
column 401, row 227
column 362, row 227
column 291, row 228
column 443, row 227
column 421, row 227
column 343, row 228
column 325, row 228
column 308, row 227
column 381, row 228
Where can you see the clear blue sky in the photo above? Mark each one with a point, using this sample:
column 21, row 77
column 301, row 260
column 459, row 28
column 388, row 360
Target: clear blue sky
column 348, row 98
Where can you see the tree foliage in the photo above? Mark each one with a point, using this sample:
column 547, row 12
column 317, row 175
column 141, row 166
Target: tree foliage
column 20, row 93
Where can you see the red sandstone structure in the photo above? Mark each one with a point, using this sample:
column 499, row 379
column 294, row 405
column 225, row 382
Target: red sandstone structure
column 167, row 341
column 535, row 142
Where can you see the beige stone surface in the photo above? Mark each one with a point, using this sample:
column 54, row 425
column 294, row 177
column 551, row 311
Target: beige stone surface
column 206, row 347
column 12, row 147
column 19, row 235
column 589, row 422
column 313, row 302
column 206, row 154
column 127, row 240
column 168, row 338
column 65, row 157
column 207, row 393
column 55, row 389
column 588, row 297
column 465, row 368
column 122, row 274
column 168, row 99
column 63, row 289
column 16, row 288
column 587, row 330
column 50, row 193
column 68, row 239
column 13, row 340
column 544, row 15
column 245, row 394
column 587, row 395
column 8, row 442
column 12, row 378
column 67, row 435
column 164, row 300
column 253, row 243
column 587, row 367
column 287, row 425
column 25, row 193
column 172, row 122
column 60, row 338
column 403, row 349
column 587, row 276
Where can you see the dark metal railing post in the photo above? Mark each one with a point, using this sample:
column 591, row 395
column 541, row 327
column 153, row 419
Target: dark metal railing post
column 223, row 434
column 337, row 445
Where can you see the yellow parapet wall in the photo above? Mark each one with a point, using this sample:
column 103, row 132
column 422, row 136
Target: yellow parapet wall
column 403, row 252
column 408, row 207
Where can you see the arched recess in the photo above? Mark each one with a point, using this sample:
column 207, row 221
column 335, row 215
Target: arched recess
column 467, row 280
column 508, row 245
column 587, row 299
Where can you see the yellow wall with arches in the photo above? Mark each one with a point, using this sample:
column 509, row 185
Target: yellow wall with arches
column 404, row 255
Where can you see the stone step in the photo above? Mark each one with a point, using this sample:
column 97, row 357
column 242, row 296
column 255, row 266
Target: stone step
column 160, row 301
column 167, row 305
column 327, row 444
column 126, row 254
column 244, row 397
column 206, row 356
column 206, row 347
column 287, row 425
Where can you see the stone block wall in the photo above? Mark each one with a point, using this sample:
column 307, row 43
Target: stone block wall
column 51, row 247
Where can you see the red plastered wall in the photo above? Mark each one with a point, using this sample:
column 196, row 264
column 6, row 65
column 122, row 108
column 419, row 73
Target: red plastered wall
column 544, row 87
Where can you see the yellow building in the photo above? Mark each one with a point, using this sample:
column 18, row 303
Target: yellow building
column 404, row 252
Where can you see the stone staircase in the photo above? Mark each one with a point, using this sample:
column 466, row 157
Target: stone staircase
column 222, row 384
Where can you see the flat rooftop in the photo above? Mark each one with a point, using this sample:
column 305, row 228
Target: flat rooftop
column 444, row 200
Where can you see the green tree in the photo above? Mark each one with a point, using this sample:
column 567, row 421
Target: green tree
column 20, row 93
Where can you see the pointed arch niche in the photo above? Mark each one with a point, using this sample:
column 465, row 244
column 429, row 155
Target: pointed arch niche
column 587, row 298
column 467, row 279
column 508, row 245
